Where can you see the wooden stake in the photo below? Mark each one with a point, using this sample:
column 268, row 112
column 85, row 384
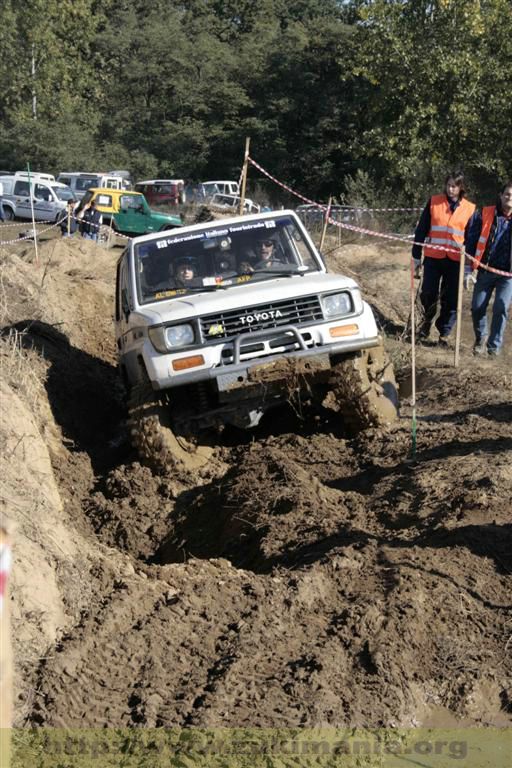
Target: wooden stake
column 459, row 307
column 413, row 363
column 31, row 195
column 244, row 175
column 326, row 222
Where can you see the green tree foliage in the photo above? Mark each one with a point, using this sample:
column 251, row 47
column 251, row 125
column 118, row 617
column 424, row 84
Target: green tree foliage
column 437, row 95
column 332, row 92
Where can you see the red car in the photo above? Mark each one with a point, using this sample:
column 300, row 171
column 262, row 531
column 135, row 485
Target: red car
column 162, row 191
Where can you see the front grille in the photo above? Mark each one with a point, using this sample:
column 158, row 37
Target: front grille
column 226, row 325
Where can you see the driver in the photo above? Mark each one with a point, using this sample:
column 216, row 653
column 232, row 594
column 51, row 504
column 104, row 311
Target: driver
column 266, row 255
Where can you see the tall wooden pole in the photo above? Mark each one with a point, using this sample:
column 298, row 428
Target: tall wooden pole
column 459, row 307
column 31, row 190
column 244, row 175
column 326, row 222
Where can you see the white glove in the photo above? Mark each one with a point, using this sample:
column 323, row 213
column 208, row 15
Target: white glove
column 417, row 269
column 469, row 278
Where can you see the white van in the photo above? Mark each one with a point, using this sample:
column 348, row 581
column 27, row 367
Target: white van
column 80, row 182
column 49, row 198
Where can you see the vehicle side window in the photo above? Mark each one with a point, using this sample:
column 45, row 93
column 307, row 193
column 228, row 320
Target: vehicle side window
column 131, row 201
column 122, row 284
column 105, row 200
column 42, row 193
column 65, row 180
column 22, row 188
column 112, row 184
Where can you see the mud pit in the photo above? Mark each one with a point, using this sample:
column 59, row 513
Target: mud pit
column 306, row 579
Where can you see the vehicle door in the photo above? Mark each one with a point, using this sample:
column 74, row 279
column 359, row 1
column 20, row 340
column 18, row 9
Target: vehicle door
column 21, row 195
column 46, row 203
column 124, row 303
column 134, row 215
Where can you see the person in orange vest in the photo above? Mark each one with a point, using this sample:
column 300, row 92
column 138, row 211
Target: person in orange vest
column 490, row 242
column 444, row 223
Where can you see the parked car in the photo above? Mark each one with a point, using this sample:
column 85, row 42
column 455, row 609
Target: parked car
column 163, row 191
column 126, row 179
column 20, row 195
column 210, row 188
column 232, row 203
column 128, row 211
column 80, row 182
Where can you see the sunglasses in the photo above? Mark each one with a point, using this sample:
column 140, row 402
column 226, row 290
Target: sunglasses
column 266, row 243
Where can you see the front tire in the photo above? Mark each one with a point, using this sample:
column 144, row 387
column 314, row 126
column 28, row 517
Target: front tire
column 153, row 437
column 365, row 390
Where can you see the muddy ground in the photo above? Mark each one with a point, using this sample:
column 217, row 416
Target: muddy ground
column 309, row 579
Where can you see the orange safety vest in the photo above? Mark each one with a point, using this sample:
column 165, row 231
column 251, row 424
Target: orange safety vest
column 488, row 214
column 447, row 228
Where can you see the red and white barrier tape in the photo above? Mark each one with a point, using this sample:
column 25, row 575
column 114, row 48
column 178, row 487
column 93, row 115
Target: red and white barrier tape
column 27, row 237
column 12, row 223
column 383, row 235
column 5, row 569
column 319, row 205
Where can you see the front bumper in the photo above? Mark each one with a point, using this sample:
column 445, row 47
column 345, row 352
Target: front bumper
column 227, row 375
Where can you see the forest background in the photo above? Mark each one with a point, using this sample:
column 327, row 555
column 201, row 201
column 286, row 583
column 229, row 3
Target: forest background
column 368, row 100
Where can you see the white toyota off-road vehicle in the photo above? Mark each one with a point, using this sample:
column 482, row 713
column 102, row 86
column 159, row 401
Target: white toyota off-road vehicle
column 218, row 322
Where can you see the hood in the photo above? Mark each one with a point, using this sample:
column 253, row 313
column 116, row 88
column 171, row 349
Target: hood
column 244, row 296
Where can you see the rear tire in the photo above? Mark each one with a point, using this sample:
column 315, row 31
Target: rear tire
column 365, row 389
column 153, row 437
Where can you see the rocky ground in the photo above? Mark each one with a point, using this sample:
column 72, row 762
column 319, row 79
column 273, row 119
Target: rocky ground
column 311, row 580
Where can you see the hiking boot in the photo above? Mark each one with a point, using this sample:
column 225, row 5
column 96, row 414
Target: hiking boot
column 493, row 352
column 443, row 341
column 480, row 347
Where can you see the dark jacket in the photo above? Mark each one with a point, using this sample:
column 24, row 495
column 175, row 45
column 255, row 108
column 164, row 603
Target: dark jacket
column 63, row 223
column 90, row 223
column 498, row 250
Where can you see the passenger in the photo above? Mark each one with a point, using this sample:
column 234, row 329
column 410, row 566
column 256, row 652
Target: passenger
column 186, row 271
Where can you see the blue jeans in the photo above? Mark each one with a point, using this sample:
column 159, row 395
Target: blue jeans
column 440, row 279
column 487, row 283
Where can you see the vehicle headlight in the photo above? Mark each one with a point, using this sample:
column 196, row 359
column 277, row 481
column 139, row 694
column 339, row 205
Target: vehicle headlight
column 337, row 304
column 172, row 337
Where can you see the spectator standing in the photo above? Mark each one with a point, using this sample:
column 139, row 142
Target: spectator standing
column 68, row 213
column 445, row 221
column 490, row 241
column 91, row 221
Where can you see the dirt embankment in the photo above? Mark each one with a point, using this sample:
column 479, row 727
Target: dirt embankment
column 319, row 580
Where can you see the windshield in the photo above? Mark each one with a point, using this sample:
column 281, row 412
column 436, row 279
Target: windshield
column 63, row 193
column 221, row 256
column 83, row 183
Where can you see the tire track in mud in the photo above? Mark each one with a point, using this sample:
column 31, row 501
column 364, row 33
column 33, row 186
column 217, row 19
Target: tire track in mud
column 319, row 580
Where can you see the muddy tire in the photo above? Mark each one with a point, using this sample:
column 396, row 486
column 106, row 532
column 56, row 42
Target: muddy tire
column 365, row 390
column 152, row 435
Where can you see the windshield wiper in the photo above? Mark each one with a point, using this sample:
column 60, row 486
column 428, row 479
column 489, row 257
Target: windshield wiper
column 278, row 272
